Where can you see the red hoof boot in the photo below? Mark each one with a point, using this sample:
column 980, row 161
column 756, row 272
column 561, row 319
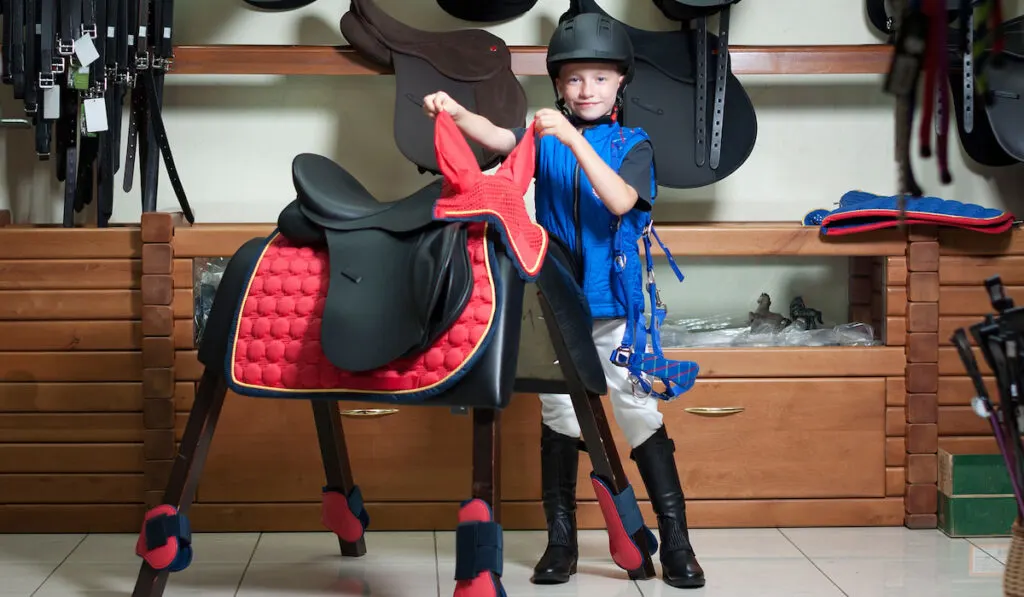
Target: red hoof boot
column 344, row 515
column 622, row 518
column 478, row 552
column 166, row 539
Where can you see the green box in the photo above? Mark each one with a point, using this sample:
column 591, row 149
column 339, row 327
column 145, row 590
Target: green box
column 976, row 516
column 973, row 474
column 975, row 497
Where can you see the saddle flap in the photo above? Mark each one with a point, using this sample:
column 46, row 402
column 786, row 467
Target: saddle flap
column 463, row 55
column 375, row 292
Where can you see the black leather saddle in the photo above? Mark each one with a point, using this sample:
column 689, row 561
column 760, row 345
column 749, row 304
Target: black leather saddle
column 398, row 279
column 702, row 125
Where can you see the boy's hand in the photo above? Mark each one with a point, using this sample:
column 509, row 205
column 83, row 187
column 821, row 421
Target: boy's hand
column 550, row 122
column 438, row 101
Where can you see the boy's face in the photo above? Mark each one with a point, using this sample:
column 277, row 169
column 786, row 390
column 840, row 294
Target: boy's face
column 589, row 88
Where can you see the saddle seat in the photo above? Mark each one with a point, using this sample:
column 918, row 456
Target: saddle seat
column 331, row 197
column 463, row 55
column 396, row 275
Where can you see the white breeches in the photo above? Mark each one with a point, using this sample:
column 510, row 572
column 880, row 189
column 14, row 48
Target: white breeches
column 637, row 417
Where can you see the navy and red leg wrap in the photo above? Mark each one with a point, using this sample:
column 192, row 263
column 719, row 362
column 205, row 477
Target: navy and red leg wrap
column 345, row 515
column 479, row 555
column 623, row 518
column 166, row 539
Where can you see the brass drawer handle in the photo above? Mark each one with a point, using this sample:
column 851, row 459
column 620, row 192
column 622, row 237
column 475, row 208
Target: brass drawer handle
column 714, row 411
column 369, row 413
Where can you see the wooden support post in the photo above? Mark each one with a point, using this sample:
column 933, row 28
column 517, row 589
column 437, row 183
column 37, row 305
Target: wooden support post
column 158, row 412
column 922, row 351
column 859, row 293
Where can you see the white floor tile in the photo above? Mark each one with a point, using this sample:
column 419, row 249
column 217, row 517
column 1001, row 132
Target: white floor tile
column 977, row 576
column 208, row 548
column 108, row 580
column 20, row 579
column 399, row 548
column 363, row 577
column 38, row 548
column 827, row 562
column 741, row 543
column 868, row 542
column 748, row 577
column 997, row 547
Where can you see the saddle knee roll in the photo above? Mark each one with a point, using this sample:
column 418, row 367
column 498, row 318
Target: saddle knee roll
column 623, row 518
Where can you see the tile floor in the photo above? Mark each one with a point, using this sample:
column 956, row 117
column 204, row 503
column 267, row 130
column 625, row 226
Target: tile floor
column 857, row 562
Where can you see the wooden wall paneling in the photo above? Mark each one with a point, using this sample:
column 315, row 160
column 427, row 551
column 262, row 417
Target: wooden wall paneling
column 966, row 261
column 71, row 399
column 158, row 283
column 922, row 356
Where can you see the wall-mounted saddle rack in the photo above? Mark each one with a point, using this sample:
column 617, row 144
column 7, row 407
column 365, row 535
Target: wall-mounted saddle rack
column 526, row 60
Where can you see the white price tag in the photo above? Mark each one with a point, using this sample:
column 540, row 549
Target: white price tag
column 95, row 115
column 51, row 103
column 85, row 50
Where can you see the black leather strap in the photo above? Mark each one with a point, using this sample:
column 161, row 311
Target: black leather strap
column 701, row 101
column 17, row 70
column 721, row 78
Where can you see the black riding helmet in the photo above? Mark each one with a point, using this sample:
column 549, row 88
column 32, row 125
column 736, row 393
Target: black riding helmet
column 589, row 37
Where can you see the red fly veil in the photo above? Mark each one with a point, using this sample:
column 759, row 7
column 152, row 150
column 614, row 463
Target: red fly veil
column 471, row 196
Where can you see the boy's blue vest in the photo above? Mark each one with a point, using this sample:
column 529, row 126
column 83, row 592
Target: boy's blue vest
column 606, row 248
column 564, row 196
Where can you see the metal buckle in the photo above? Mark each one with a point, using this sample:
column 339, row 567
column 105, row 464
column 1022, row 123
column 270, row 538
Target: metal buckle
column 58, row 66
column 637, row 382
column 620, row 352
column 142, row 61
column 46, row 80
column 647, row 229
column 620, row 261
column 90, row 30
column 65, row 48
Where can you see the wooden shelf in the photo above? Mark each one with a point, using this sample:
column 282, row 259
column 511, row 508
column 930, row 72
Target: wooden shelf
column 526, row 60
column 772, row 238
column 710, row 239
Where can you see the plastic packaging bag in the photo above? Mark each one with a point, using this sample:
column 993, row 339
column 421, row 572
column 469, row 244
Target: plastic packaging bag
column 766, row 329
column 205, row 278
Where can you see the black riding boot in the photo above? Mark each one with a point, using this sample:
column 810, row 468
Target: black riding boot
column 559, row 464
column 658, row 470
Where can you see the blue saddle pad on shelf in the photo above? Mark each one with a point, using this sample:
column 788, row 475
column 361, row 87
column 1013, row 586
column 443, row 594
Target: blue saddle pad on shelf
column 859, row 211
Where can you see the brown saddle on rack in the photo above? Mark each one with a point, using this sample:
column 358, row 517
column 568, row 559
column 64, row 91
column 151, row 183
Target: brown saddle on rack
column 471, row 65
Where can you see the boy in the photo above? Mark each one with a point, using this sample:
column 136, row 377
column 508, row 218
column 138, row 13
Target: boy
column 595, row 187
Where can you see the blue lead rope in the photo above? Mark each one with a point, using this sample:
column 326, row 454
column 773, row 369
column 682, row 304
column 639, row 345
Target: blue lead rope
column 678, row 376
